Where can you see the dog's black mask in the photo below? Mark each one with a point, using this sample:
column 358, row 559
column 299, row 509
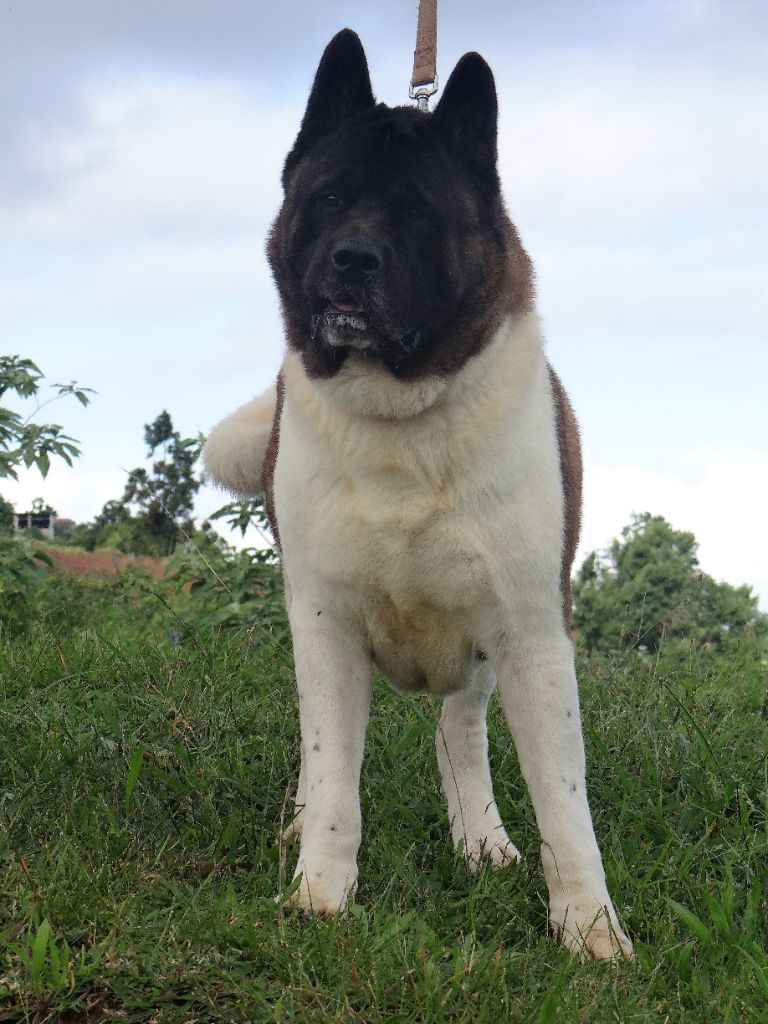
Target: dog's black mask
column 392, row 239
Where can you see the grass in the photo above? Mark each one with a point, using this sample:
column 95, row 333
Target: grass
column 142, row 785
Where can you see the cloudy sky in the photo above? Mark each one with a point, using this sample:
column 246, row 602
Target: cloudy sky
column 139, row 172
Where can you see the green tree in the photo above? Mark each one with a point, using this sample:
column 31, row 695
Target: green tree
column 6, row 516
column 113, row 512
column 25, row 441
column 648, row 584
column 165, row 495
column 42, row 508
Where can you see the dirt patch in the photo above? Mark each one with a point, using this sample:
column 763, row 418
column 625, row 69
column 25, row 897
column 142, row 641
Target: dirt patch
column 104, row 563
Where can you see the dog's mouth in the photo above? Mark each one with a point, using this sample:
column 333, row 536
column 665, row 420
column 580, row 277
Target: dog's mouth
column 346, row 322
column 347, row 308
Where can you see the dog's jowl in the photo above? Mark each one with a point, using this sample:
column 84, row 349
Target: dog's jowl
column 421, row 468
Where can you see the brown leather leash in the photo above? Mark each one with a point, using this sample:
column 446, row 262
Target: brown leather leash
column 424, row 77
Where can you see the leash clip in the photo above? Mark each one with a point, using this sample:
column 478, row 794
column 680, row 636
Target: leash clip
column 422, row 93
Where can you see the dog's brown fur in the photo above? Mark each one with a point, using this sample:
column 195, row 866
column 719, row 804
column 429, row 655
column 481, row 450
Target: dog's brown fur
column 569, row 446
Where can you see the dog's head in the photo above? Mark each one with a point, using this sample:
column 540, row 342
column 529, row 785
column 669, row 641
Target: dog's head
column 392, row 238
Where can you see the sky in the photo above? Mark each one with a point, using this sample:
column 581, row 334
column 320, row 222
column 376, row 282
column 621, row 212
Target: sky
column 141, row 152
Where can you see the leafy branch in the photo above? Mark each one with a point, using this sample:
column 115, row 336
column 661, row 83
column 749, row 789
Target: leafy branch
column 25, row 441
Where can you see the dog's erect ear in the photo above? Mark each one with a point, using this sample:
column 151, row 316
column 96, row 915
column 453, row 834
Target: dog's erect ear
column 467, row 112
column 342, row 88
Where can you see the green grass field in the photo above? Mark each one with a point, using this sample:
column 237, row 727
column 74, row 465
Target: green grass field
column 143, row 784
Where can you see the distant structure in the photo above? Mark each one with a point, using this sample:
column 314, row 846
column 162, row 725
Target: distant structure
column 64, row 527
column 45, row 522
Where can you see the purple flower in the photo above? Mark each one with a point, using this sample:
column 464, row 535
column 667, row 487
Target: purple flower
column 175, row 638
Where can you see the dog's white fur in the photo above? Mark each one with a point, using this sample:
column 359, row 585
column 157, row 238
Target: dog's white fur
column 422, row 527
column 234, row 451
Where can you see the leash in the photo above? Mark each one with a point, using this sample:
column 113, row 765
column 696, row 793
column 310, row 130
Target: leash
column 424, row 77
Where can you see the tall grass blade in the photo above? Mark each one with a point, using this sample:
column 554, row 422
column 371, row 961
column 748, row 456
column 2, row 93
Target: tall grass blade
column 134, row 770
column 691, row 921
column 39, row 948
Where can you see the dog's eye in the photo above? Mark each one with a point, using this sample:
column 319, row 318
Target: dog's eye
column 330, row 200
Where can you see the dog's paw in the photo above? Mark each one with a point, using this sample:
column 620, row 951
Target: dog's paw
column 495, row 849
column 327, row 885
column 589, row 929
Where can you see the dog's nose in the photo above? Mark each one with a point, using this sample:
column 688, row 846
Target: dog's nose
column 354, row 255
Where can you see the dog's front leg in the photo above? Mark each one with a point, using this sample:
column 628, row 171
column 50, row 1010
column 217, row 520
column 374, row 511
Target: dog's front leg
column 537, row 686
column 462, row 754
column 333, row 675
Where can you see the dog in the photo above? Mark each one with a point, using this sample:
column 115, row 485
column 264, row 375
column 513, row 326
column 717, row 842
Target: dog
column 421, row 468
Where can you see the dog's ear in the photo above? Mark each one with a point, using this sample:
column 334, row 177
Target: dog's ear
column 342, row 88
column 467, row 112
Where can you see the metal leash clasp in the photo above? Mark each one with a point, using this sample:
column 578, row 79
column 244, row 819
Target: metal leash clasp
column 422, row 93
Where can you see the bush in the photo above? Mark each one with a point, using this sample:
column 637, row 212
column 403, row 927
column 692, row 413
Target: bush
column 229, row 589
column 7, row 518
column 205, row 588
column 21, row 583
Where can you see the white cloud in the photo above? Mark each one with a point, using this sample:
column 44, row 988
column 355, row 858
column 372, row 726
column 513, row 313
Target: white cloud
column 601, row 148
column 159, row 197
column 612, row 148
column 635, row 288
column 157, row 156
column 173, row 271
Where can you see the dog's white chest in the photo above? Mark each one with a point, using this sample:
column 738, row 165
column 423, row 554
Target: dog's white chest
column 420, row 575
column 403, row 524
column 394, row 547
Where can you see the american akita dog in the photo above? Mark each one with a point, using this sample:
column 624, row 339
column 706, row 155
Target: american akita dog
column 422, row 473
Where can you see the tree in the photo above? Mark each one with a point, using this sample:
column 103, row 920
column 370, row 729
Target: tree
column 649, row 584
column 165, row 497
column 42, row 508
column 25, row 441
column 6, row 516
column 113, row 512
